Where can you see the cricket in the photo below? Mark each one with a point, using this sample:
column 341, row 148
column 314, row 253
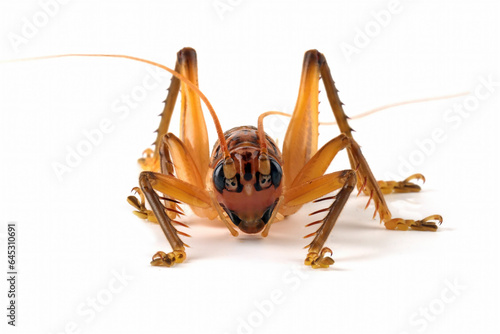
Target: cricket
column 246, row 181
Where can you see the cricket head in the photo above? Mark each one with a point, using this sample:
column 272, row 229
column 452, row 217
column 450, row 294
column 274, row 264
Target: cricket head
column 250, row 196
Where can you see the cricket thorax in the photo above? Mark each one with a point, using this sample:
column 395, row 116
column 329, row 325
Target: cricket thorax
column 249, row 197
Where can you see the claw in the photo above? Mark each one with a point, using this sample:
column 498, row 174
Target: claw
column 414, row 177
column 426, row 224
column 162, row 259
column 324, row 251
column 320, row 260
column 407, row 186
column 404, row 186
column 138, row 204
column 132, row 200
column 439, row 218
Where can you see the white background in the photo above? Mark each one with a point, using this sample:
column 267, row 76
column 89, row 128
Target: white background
column 76, row 233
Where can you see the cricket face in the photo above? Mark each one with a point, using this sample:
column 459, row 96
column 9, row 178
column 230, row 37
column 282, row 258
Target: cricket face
column 249, row 198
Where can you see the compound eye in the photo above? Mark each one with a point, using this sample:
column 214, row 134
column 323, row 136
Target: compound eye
column 231, row 184
column 218, row 177
column 276, row 173
column 221, row 183
column 265, row 181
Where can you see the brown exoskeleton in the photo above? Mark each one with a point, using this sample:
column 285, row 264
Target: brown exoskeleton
column 247, row 182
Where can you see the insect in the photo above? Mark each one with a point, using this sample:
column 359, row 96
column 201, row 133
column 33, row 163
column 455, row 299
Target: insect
column 247, row 181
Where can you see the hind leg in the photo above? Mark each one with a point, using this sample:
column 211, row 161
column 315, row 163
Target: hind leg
column 315, row 65
column 193, row 130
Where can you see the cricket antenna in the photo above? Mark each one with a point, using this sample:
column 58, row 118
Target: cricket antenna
column 264, row 163
column 229, row 168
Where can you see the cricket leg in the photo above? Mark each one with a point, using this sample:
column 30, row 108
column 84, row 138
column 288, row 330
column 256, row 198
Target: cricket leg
column 193, row 131
column 301, row 138
column 314, row 189
column 151, row 158
column 180, row 191
column 366, row 181
column 310, row 184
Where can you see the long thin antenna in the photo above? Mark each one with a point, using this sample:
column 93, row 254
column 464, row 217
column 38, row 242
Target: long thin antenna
column 260, row 128
column 362, row 115
column 397, row 104
column 220, row 134
column 264, row 163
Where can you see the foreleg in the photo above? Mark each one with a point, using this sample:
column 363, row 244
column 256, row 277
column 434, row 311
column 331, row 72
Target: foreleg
column 314, row 189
